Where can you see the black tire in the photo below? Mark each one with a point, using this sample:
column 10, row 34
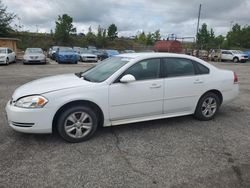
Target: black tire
column 76, row 62
column 235, row 59
column 199, row 111
column 7, row 61
column 62, row 121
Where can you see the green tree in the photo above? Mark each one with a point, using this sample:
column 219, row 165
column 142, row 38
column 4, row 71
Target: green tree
column 239, row 37
column 64, row 28
column 91, row 37
column 101, row 37
column 203, row 37
column 156, row 35
column 112, row 32
column 5, row 20
column 150, row 39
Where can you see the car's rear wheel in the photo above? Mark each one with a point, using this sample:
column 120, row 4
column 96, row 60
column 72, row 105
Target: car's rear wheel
column 77, row 124
column 207, row 107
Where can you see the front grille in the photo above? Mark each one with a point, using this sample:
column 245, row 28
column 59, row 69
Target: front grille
column 33, row 57
column 18, row 124
column 245, row 56
column 68, row 56
column 90, row 57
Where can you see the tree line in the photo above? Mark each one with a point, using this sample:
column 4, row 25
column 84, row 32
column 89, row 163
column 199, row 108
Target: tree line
column 238, row 37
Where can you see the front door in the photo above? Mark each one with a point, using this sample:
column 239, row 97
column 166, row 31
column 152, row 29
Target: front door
column 143, row 97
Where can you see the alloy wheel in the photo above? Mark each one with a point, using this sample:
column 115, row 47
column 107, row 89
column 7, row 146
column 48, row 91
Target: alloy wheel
column 78, row 124
column 209, row 107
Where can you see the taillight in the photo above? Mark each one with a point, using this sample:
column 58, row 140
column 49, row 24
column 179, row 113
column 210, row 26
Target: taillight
column 235, row 78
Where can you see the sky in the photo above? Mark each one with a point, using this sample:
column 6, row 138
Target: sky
column 132, row 16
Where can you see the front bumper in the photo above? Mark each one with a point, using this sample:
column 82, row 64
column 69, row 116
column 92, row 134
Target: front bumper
column 92, row 59
column 29, row 120
column 65, row 60
column 42, row 61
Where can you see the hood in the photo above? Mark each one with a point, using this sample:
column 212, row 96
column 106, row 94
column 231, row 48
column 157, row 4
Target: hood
column 93, row 55
column 3, row 54
column 49, row 84
column 67, row 53
column 34, row 54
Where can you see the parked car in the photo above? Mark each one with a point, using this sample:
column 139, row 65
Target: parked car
column 101, row 54
column 123, row 89
column 87, row 56
column 52, row 52
column 111, row 53
column 77, row 51
column 7, row 56
column 66, row 55
column 233, row 55
column 248, row 54
column 127, row 51
column 34, row 55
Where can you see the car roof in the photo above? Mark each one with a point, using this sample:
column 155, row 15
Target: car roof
column 153, row 55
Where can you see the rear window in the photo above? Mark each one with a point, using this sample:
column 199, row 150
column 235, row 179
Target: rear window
column 202, row 69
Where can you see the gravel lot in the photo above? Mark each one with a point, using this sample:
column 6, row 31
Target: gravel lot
column 176, row 152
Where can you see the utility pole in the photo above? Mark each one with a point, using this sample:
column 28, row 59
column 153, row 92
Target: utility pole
column 198, row 23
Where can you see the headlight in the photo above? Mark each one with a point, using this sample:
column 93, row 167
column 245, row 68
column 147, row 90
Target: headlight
column 35, row 101
column 1, row 57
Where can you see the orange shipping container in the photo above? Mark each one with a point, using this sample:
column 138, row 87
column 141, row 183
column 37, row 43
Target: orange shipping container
column 173, row 46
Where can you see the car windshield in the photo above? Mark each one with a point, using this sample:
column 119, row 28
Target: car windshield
column 66, row 49
column 86, row 51
column 2, row 51
column 237, row 52
column 112, row 52
column 105, row 69
column 33, row 51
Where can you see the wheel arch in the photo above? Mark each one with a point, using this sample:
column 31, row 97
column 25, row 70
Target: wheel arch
column 215, row 91
column 88, row 103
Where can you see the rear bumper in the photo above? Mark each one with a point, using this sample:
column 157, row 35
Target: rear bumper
column 230, row 95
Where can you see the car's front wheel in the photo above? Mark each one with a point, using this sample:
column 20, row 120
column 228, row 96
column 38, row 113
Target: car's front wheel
column 7, row 61
column 235, row 59
column 77, row 124
column 207, row 107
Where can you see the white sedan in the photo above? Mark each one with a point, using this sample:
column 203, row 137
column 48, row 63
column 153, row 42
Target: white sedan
column 7, row 56
column 123, row 89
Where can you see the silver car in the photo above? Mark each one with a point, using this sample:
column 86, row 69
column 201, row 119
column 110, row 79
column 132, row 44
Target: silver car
column 34, row 55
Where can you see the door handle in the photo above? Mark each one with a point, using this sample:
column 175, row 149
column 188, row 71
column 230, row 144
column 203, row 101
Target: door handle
column 198, row 81
column 155, row 86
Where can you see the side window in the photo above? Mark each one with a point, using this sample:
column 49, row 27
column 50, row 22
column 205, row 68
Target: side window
column 223, row 52
column 202, row 69
column 178, row 67
column 146, row 69
column 9, row 51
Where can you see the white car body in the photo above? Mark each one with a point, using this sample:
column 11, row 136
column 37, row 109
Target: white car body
column 7, row 56
column 121, row 103
column 88, row 57
column 233, row 55
column 34, row 57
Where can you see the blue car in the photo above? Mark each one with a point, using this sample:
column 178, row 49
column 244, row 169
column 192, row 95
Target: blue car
column 248, row 54
column 66, row 55
column 111, row 53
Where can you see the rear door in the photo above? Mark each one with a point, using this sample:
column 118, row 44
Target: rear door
column 183, row 85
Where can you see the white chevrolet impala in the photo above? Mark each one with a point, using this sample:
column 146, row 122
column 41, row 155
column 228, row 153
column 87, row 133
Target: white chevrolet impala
column 123, row 89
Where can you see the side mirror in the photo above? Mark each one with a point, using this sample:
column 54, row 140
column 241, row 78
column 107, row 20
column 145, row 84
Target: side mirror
column 127, row 78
